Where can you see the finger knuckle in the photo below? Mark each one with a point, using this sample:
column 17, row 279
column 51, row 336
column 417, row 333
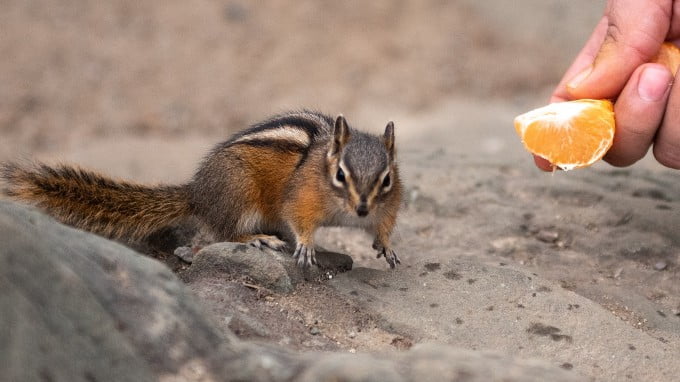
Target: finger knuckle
column 614, row 34
column 642, row 40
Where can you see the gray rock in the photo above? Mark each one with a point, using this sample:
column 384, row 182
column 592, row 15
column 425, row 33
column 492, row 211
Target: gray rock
column 274, row 270
column 333, row 261
column 185, row 253
column 328, row 265
column 547, row 236
column 78, row 307
column 240, row 259
column 660, row 265
column 351, row 368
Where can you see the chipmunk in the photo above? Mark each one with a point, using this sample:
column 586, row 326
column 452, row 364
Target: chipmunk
column 277, row 181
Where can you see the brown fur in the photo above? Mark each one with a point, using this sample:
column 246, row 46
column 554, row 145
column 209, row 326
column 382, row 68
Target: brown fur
column 306, row 208
column 90, row 201
column 267, row 168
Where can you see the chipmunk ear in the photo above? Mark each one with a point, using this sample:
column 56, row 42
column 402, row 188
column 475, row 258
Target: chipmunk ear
column 340, row 135
column 388, row 138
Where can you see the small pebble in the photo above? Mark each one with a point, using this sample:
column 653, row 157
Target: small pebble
column 242, row 309
column 618, row 272
column 314, row 331
column 547, row 236
column 352, row 334
column 185, row 253
column 660, row 266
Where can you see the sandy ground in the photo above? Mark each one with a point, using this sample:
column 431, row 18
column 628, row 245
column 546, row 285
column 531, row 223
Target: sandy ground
column 142, row 90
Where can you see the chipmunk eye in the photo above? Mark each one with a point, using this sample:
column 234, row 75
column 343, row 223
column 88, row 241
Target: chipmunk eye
column 340, row 176
column 386, row 181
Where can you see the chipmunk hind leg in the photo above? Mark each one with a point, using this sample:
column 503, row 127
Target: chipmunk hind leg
column 254, row 228
column 263, row 240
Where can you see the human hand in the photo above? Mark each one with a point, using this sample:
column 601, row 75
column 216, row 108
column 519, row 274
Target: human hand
column 614, row 64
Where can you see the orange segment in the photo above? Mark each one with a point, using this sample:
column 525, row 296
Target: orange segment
column 569, row 134
column 669, row 56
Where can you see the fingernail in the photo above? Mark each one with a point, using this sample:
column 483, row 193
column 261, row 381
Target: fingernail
column 576, row 81
column 653, row 83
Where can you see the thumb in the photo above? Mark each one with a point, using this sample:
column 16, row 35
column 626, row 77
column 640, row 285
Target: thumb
column 635, row 31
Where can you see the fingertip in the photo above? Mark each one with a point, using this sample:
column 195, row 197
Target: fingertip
column 617, row 160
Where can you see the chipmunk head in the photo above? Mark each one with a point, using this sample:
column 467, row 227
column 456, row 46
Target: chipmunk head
column 361, row 166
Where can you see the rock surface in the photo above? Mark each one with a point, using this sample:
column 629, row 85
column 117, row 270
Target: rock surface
column 241, row 260
column 270, row 269
column 79, row 307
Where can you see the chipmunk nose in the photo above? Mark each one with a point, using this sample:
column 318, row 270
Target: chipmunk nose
column 362, row 208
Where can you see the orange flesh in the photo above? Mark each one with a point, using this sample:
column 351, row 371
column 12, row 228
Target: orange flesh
column 570, row 134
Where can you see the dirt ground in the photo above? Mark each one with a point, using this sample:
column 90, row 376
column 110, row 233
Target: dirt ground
column 142, row 89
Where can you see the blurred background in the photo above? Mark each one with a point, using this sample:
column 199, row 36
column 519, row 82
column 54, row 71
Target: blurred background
column 143, row 89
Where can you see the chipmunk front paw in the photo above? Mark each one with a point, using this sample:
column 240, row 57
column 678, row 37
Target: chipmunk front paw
column 306, row 256
column 390, row 256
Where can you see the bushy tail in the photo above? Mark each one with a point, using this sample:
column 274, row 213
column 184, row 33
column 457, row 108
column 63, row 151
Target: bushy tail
column 95, row 203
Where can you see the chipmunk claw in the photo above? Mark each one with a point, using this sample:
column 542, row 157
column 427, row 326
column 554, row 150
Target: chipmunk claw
column 306, row 256
column 390, row 256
